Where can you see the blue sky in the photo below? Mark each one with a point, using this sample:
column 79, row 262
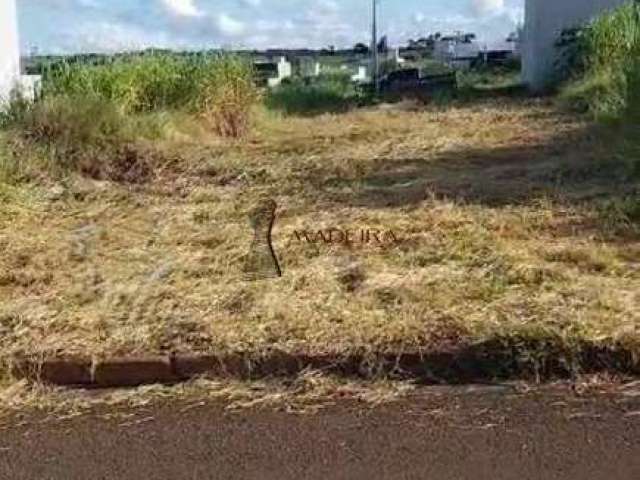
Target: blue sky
column 69, row 26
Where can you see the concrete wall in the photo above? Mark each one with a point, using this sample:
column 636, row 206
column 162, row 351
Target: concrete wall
column 9, row 50
column 285, row 70
column 544, row 21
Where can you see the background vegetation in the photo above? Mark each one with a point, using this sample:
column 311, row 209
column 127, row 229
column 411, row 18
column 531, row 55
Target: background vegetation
column 332, row 92
column 95, row 119
column 605, row 62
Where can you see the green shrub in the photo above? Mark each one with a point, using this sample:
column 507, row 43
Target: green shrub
column 606, row 65
column 609, row 86
column 614, row 38
column 326, row 94
column 16, row 109
column 86, row 134
column 597, row 93
column 70, row 121
column 621, row 213
column 429, row 66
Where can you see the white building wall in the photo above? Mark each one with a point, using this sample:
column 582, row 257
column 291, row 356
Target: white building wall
column 9, row 49
column 544, row 22
column 285, row 70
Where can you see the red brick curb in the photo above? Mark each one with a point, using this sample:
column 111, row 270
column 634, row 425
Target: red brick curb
column 56, row 372
column 116, row 372
column 129, row 372
column 124, row 372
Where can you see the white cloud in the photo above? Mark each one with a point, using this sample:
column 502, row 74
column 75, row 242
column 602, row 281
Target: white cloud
column 249, row 23
column 326, row 7
column 89, row 3
column 182, row 8
column 229, row 25
column 110, row 37
column 487, row 7
column 322, row 23
column 418, row 18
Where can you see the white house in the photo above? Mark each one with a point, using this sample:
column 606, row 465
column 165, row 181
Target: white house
column 457, row 48
column 544, row 22
column 10, row 77
column 285, row 70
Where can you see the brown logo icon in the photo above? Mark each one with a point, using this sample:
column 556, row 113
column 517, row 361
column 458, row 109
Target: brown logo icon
column 261, row 262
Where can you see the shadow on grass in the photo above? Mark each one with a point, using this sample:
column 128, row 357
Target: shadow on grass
column 514, row 357
column 580, row 168
column 518, row 356
column 577, row 165
column 510, row 91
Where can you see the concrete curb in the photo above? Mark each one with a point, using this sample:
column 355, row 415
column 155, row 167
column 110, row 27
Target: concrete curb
column 131, row 372
column 464, row 365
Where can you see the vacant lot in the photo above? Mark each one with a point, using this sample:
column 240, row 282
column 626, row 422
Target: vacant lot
column 512, row 227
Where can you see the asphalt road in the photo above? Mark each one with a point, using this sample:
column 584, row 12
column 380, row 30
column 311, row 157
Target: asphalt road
column 438, row 434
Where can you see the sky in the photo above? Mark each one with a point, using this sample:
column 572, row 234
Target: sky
column 75, row 26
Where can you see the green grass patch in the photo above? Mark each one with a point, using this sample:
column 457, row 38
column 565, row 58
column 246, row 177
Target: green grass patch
column 146, row 83
column 605, row 58
column 606, row 65
column 327, row 94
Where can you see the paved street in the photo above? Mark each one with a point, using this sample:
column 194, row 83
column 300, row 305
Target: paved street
column 469, row 433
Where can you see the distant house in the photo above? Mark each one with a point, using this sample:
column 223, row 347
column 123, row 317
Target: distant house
column 284, row 71
column 501, row 52
column 456, row 50
column 265, row 71
column 272, row 74
column 462, row 50
column 544, row 22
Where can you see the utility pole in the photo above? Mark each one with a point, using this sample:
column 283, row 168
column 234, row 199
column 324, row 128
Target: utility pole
column 375, row 67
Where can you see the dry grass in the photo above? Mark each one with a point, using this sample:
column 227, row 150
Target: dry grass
column 497, row 240
column 307, row 393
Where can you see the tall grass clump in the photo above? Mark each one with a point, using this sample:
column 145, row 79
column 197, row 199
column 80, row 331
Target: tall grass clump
column 219, row 87
column 134, row 85
column 94, row 118
column 64, row 133
column 226, row 94
column 606, row 84
column 607, row 64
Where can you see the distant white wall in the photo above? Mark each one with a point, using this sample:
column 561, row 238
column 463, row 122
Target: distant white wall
column 9, row 49
column 362, row 75
column 450, row 50
column 285, row 70
column 544, row 21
